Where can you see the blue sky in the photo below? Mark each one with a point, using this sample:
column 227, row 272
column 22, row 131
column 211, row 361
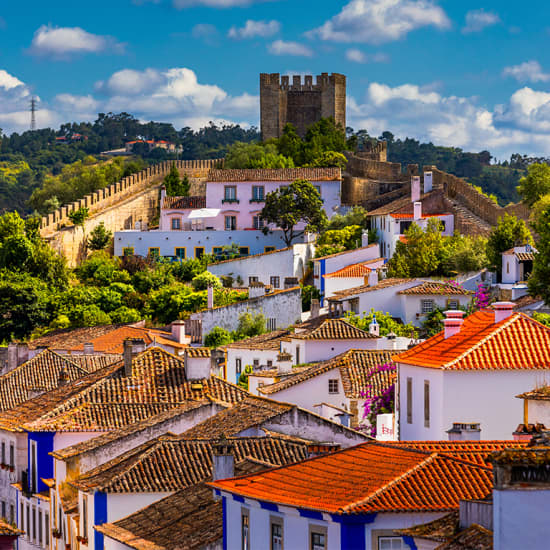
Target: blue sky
column 456, row 73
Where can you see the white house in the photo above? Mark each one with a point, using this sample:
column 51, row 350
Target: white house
column 270, row 268
column 517, row 265
column 353, row 499
column 465, row 378
column 393, row 219
column 410, row 300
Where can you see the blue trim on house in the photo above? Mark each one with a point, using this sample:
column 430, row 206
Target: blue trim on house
column 322, row 268
column 363, row 519
column 224, row 509
column 44, row 462
column 352, row 536
column 17, row 517
column 238, row 498
column 269, row 506
column 100, row 517
column 409, row 541
column 310, row 514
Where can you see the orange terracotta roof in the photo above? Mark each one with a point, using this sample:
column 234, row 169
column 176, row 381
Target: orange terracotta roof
column 71, row 338
column 515, row 343
column 384, row 283
column 264, row 342
column 334, row 329
column 198, row 353
column 183, row 203
column 370, row 477
column 411, row 216
column 279, row 174
column 436, row 287
column 541, row 393
column 344, row 252
column 113, row 341
column 361, row 269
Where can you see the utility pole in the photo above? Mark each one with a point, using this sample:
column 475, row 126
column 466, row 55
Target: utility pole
column 33, row 114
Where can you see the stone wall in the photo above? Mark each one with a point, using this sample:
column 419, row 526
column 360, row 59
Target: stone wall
column 119, row 206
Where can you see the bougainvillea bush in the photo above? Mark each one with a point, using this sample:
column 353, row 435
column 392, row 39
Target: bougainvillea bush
column 377, row 402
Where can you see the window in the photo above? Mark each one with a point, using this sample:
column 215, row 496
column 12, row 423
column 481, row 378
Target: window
column 238, row 365
column 128, row 251
column 34, row 532
column 252, row 280
column 217, row 250
column 3, row 452
column 257, row 193
column 269, row 363
column 507, row 267
column 85, row 516
column 179, row 253
column 199, row 251
column 40, row 530
column 271, row 326
column 257, row 222
column 426, row 403
column 275, row 282
column 409, row 400
column 12, row 455
column 230, row 223
column 256, row 364
column 269, row 248
column 333, row 386
column 22, row 514
column 245, row 530
column 354, row 305
column 4, row 510
column 244, row 250
column 443, row 225
column 403, row 226
column 316, row 269
column 276, row 534
column 154, row 251
column 28, row 522
column 230, row 193
column 12, row 513
column 452, row 304
column 297, row 355
column 318, row 540
column 33, row 481
column 47, row 528
column 391, row 543
column 426, row 306
column 60, row 519
column 176, row 223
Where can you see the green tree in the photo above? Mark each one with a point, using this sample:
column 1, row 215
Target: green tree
column 328, row 159
column 79, row 216
column 539, row 281
column 172, row 182
column 287, row 206
column 309, row 292
column 99, row 238
column 217, row 337
column 254, row 155
column 357, row 215
column 243, row 378
column 535, row 184
column 250, row 324
column 509, row 232
column 338, row 240
column 204, row 280
column 386, row 322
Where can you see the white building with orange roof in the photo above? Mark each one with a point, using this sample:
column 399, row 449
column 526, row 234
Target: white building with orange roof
column 463, row 382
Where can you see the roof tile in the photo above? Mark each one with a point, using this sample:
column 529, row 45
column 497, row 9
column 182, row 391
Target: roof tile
column 280, row 174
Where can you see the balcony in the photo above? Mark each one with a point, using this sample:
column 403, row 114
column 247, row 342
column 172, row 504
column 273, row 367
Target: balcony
column 236, row 201
column 257, row 200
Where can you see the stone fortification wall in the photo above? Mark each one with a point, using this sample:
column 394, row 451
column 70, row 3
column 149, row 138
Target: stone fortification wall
column 457, row 189
column 119, row 206
column 377, row 151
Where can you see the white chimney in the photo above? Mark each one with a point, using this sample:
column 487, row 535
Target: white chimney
column 364, row 238
column 417, row 210
column 223, row 460
column 503, row 310
column 198, row 367
column 373, row 277
column 284, row 363
column 178, row 331
column 210, row 300
column 464, row 431
column 428, row 181
column 315, row 307
column 415, row 188
column 374, row 327
column 132, row 347
column 88, row 348
column 453, row 321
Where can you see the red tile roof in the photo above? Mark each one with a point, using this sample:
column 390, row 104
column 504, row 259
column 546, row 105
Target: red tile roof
column 360, row 269
column 279, row 174
column 384, row 283
column 411, row 216
column 334, row 329
column 370, row 477
column 183, row 203
column 436, row 288
column 515, row 343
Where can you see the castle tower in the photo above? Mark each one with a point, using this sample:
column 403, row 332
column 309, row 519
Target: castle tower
column 301, row 104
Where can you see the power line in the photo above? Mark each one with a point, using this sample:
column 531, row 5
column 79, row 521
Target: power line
column 33, row 114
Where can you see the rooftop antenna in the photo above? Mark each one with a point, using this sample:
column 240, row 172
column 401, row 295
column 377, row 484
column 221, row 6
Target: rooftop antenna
column 33, row 114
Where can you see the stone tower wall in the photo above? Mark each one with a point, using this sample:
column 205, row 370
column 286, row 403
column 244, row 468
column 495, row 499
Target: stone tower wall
column 300, row 103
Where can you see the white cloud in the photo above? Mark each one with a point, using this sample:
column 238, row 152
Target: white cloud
column 282, row 47
column 379, row 21
column 477, row 20
column 62, row 42
column 181, row 4
column 7, row 81
column 205, row 32
column 357, row 56
column 252, row 29
column 529, row 71
column 76, row 103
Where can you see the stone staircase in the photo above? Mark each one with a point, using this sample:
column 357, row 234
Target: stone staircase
column 466, row 222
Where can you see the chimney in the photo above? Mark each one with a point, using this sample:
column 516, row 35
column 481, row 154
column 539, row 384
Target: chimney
column 503, row 310
column 88, row 348
column 364, row 238
column 197, row 364
column 210, row 302
column 417, row 210
column 178, row 331
column 464, row 431
column 428, row 181
column 374, row 327
column 63, row 377
column 415, row 188
column 284, row 362
column 373, row 277
column 17, row 354
column 315, row 307
column 453, row 321
column 223, row 460
column 256, row 290
column 132, row 347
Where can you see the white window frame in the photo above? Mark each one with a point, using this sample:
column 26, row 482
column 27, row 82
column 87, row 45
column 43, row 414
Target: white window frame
column 175, row 224
column 391, row 539
column 333, row 386
column 426, row 306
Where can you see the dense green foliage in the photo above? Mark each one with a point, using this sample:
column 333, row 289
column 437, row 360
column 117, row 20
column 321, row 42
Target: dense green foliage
column 539, row 281
column 176, row 186
column 385, row 320
column 428, row 253
column 249, row 325
column 535, row 184
column 338, row 240
column 287, row 206
column 99, row 238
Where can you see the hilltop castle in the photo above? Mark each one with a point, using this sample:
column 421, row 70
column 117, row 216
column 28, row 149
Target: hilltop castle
column 301, row 104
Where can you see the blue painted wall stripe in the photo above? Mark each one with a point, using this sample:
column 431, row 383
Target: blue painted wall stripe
column 311, row 514
column 44, row 462
column 224, row 508
column 269, row 506
column 409, row 541
column 100, row 517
